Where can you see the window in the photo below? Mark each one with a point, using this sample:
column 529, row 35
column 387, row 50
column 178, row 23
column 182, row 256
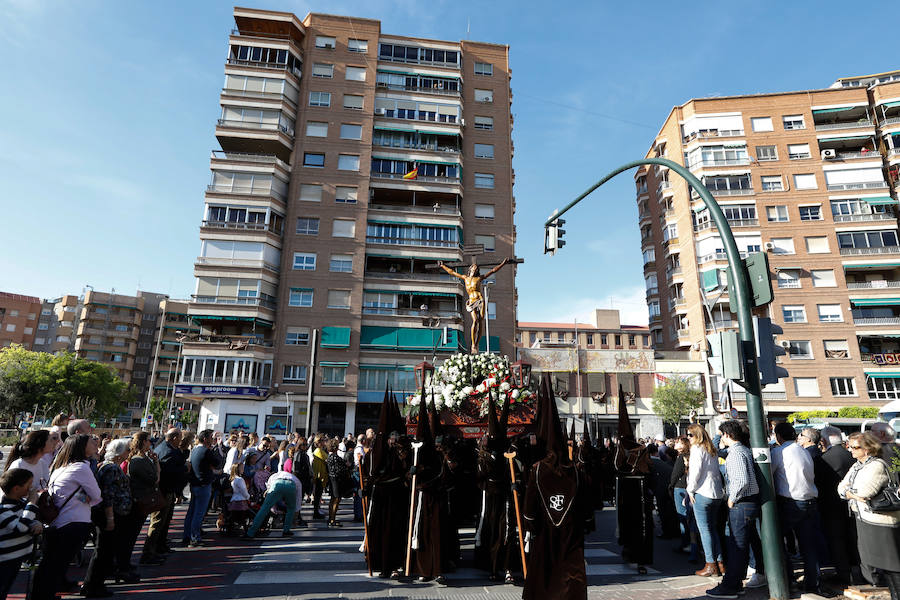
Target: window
column 800, row 349
column 798, row 151
column 304, row 261
column 793, row 122
column 345, row 228
column 836, row 349
column 324, row 41
column 316, row 129
column 805, row 181
column 45, row 312
column 484, row 180
column 484, row 151
column 348, row 162
column 40, row 341
column 486, row 123
column 13, row 313
column 811, row 213
column 355, row 74
column 324, row 70
column 310, row 192
column 783, row 245
column 484, row 211
column 817, row 245
column 294, row 373
column 341, row 263
column 320, row 98
column 843, row 386
column 484, row 95
column 338, row 298
column 488, row 241
column 617, row 340
column 589, row 339
column 764, row 153
column 761, row 124
column 353, row 101
column 311, row 159
column 492, row 310
column 868, row 239
column 361, row 46
column 297, row 336
column 345, row 194
column 11, row 327
column 806, row 387
column 772, row 183
column 631, row 341
column 777, row 214
column 829, row 313
column 793, row 314
column 307, row 226
column 333, row 376
column 351, row 132
column 43, row 326
column 300, row 297
column 823, row 278
column 484, row 68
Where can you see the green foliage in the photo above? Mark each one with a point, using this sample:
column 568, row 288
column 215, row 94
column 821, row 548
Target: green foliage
column 158, row 407
column 858, row 412
column 805, row 415
column 189, row 417
column 58, row 383
column 676, row 399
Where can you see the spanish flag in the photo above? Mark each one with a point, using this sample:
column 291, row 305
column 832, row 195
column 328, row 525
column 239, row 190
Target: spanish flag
column 412, row 174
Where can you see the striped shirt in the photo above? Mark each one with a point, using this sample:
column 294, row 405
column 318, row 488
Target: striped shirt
column 16, row 519
column 739, row 473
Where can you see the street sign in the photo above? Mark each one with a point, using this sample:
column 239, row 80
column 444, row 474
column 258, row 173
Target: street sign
column 24, row 425
column 144, row 422
column 149, row 419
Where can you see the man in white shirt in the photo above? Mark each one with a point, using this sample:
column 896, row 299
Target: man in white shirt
column 792, row 469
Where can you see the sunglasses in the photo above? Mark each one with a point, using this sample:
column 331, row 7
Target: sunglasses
column 690, row 435
column 855, row 447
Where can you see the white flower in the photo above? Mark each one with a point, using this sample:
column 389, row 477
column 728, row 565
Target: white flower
column 515, row 394
column 504, row 387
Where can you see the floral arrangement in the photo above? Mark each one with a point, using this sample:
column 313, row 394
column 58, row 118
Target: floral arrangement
column 462, row 382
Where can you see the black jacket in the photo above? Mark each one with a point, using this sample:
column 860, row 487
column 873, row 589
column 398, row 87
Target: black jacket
column 679, row 475
column 172, row 470
column 302, row 470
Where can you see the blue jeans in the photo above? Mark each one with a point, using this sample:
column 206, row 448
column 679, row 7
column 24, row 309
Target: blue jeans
column 193, row 520
column 742, row 520
column 802, row 517
column 706, row 511
column 283, row 490
column 683, row 508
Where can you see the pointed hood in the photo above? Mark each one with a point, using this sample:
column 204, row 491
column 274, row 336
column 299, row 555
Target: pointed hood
column 504, row 421
column 551, row 431
column 398, row 423
column 493, row 428
column 437, row 428
column 572, row 432
column 586, row 433
column 631, row 456
column 379, row 447
column 423, row 425
column 625, row 430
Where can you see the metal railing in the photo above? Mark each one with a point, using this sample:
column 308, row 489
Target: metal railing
column 249, row 157
column 722, row 325
column 852, row 155
column 254, row 94
column 670, row 273
column 846, row 125
column 894, row 152
column 722, row 162
column 642, row 190
column 224, row 381
column 265, row 65
column 683, row 333
column 736, row 192
column 876, row 321
column 235, row 342
column 864, row 217
column 872, row 285
column 786, row 284
column 652, row 291
column 410, row 312
column 244, row 190
column 412, row 242
column 417, row 89
column 868, row 185
column 426, row 147
column 410, row 276
column 732, row 222
column 890, row 121
column 286, row 129
column 265, row 301
column 236, row 262
column 239, row 226
column 718, row 255
column 869, row 251
column 417, row 209
column 420, row 178
column 713, row 134
column 416, row 61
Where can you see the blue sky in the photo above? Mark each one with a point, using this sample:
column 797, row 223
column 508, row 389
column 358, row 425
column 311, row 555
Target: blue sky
column 109, row 109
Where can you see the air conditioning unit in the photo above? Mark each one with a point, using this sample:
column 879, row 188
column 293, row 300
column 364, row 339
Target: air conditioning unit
column 785, row 344
column 829, row 153
column 769, row 246
column 380, row 111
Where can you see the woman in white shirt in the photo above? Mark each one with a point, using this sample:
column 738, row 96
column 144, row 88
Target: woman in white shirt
column 707, row 492
column 235, row 455
column 28, row 454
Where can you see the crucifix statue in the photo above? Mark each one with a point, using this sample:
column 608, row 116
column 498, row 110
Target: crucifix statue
column 475, row 304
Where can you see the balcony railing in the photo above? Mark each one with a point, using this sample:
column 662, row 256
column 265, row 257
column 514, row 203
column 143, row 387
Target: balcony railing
column 249, row 157
column 877, row 284
column 869, row 251
column 425, row 147
column 225, row 381
column 642, row 190
column 242, row 189
column 876, row 321
column 711, row 257
column 416, row 61
column 256, row 94
column 864, row 217
column 410, row 312
column 425, row 210
column 721, row 325
column 233, row 342
column 412, row 242
column 652, row 291
column 859, row 124
column 734, row 192
column 733, row 222
column 417, row 89
column 852, row 155
column 894, row 152
column 265, row 65
column 867, row 185
column 683, row 333
column 239, row 226
column 420, row 178
column 410, row 276
column 670, row 273
column 236, row 262
column 786, row 284
column 287, row 129
column 713, row 133
column 723, row 162
column 266, row 302
column 891, row 121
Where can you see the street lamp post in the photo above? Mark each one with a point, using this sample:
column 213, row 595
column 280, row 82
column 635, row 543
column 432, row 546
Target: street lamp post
column 180, row 339
column 771, row 534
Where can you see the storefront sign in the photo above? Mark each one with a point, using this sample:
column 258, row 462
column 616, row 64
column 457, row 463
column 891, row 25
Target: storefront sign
column 245, row 423
column 220, row 390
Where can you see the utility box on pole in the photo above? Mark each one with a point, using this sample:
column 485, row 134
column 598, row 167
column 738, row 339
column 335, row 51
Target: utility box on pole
column 757, row 268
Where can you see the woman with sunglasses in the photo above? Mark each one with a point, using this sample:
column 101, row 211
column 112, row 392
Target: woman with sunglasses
column 878, row 533
column 706, row 491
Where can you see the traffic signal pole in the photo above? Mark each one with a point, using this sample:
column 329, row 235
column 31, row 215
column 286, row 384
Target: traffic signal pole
column 771, row 530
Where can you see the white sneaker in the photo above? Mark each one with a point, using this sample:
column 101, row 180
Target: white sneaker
column 756, row 581
column 362, row 547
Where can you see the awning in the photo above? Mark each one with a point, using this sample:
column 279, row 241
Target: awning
column 872, row 266
column 325, row 363
column 788, row 268
column 699, row 208
column 413, row 293
column 893, row 104
column 874, row 301
column 382, row 128
column 884, row 375
column 408, row 223
column 335, row 337
column 879, row 200
column 262, row 322
column 382, row 367
column 398, row 257
column 849, row 137
column 822, row 111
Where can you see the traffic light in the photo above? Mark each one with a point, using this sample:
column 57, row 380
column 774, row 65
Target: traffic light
column 553, row 236
column 756, row 266
column 768, row 350
column 724, row 355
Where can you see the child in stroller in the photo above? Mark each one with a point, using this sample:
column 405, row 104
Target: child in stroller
column 258, row 493
column 237, row 508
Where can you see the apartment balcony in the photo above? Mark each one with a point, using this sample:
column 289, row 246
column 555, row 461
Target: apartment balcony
column 720, row 325
column 263, row 301
column 857, row 124
column 236, row 263
column 650, row 264
column 672, row 273
column 84, row 328
column 865, row 217
column 876, row 320
column 448, row 216
column 446, row 149
column 644, row 218
column 417, row 242
column 747, row 191
column 870, row 251
column 683, row 333
column 401, row 277
column 654, row 291
column 450, row 315
column 227, row 342
column 430, row 90
column 867, row 185
column 877, row 284
column 664, row 188
column 220, row 159
column 254, row 137
column 655, row 318
column 426, row 183
column 711, row 134
column 734, row 223
column 725, row 162
column 274, row 229
column 842, row 156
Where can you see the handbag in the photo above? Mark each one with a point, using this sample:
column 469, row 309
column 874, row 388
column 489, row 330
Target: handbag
column 151, row 503
column 48, row 511
column 888, row 498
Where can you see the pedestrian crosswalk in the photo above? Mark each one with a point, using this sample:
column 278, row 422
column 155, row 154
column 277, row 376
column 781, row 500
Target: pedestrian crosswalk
column 329, row 561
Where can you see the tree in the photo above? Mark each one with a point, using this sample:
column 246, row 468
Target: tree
column 676, row 399
column 158, row 407
column 188, row 417
column 60, row 383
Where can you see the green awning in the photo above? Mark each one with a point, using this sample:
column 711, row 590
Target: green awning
column 495, row 344
column 326, row 363
column 378, row 337
column 874, row 301
column 872, row 266
column 414, row 293
column 386, row 222
column 398, row 257
column 335, row 337
column 884, row 375
column 879, row 200
column 699, row 208
column 710, row 279
column 893, row 104
column 849, row 137
column 262, row 322
column 382, row 128
column 822, row 111
column 407, row 338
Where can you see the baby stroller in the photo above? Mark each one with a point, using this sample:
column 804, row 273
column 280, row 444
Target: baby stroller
column 257, row 489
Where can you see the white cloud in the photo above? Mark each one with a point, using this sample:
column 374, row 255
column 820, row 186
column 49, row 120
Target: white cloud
column 631, row 303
